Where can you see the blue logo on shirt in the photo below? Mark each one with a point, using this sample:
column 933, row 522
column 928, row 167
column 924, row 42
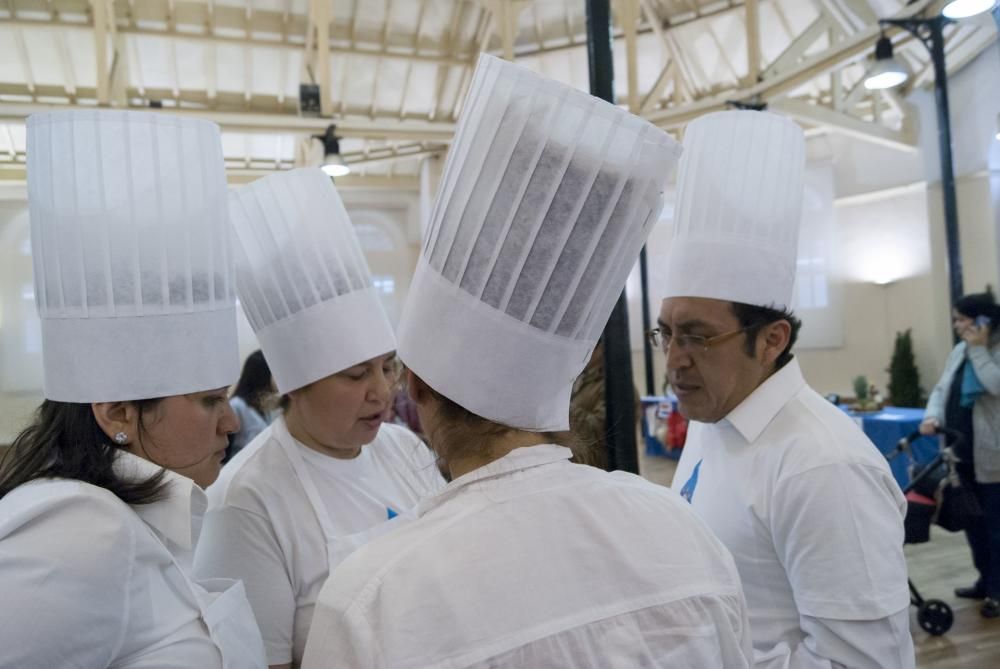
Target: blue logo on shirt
column 390, row 513
column 687, row 492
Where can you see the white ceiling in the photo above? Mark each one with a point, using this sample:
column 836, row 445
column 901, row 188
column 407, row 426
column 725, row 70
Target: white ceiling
column 394, row 72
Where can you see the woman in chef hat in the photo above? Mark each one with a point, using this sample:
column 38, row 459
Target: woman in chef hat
column 101, row 495
column 546, row 199
column 328, row 473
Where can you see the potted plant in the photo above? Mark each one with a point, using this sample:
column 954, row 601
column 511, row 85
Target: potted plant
column 904, row 377
column 863, row 399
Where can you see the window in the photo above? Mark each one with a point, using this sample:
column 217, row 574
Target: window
column 384, row 284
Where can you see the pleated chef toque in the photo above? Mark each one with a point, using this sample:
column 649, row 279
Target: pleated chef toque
column 131, row 251
column 546, row 199
column 303, row 280
column 739, row 208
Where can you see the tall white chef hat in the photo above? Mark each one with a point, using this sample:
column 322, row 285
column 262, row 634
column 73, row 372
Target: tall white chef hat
column 546, row 198
column 739, row 207
column 302, row 279
column 131, row 251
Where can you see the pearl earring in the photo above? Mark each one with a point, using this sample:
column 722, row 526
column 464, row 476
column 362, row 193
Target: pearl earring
column 121, row 438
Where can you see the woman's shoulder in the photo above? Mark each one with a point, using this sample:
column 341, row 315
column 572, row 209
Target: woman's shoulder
column 258, row 473
column 82, row 527
column 397, row 444
column 54, row 497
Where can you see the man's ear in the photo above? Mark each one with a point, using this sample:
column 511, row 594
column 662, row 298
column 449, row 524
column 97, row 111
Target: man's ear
column 117, row 418
column 419, row 391
column 774, row 338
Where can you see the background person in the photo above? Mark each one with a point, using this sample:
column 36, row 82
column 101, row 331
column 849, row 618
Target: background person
column 254, row 401
column 967, row 399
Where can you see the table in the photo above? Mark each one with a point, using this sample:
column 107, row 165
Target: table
column 886, row 427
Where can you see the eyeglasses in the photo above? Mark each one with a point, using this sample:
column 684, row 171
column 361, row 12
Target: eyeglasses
column 689, row 343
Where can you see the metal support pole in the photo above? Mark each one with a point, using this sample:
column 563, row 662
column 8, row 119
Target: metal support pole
column 647, row 347
column 618, row 385
column 930, row 32
column 947, row 165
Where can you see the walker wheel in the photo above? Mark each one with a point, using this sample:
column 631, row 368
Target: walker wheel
column 935, row 617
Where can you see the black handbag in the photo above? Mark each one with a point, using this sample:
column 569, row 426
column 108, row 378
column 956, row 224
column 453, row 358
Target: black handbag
column 957, row 505
column 958, row 508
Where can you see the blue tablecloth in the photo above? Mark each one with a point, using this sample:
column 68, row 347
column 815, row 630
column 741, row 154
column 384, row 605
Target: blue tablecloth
column 885, row 428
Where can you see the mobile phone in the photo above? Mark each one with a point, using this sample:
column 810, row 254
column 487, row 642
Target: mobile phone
column 983, row 321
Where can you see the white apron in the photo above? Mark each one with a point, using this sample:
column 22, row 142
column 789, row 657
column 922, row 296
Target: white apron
column 226, row 612
column 231, row 623
column 338, row 546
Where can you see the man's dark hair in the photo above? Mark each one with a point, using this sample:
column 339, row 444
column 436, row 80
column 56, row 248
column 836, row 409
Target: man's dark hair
column 754, row 318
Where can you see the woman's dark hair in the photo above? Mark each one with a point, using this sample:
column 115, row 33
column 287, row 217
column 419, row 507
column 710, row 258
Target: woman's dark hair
column 975, row 305
column 64, row 441
column 754, row 318
column 254, row 386
column 461, row 433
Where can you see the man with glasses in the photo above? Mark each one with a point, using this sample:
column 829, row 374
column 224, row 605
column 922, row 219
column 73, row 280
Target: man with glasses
column 802, row 499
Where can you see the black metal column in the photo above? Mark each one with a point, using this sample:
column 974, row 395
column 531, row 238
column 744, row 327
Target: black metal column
column 618, row 384
column 647, row 347
column 930, row 32
column 947, row 166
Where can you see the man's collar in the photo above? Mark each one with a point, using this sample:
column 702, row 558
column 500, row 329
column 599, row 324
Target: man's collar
column 177, row 516
column 757, row 411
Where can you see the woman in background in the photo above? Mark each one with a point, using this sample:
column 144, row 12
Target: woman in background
column 967, row 399
column 253, row 401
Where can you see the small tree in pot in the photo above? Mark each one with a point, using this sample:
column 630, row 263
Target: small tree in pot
column 864, row 402
column 904, row 377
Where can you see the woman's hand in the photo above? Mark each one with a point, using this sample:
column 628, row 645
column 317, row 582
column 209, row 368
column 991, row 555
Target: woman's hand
column 976, row 335
column 929, row 426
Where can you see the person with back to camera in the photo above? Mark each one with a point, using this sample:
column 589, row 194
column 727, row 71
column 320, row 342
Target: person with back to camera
column 801, row 497
column 101, row 495
column 526, row 559
column 251, row 401
column 967, row 399
column 328, row 473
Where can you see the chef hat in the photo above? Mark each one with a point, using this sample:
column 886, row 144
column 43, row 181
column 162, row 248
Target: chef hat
column 302, row 279
column 739, row 206
column 132, row 264
column 545, row 201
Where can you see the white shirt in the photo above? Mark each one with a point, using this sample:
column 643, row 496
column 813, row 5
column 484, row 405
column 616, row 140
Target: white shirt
column 814, row 519
column 261, row 527
column 532, row 561
column 89, row 581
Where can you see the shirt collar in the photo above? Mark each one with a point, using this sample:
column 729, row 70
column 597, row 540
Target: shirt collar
column 519, row 459
column 757, row 411
column 178, row 515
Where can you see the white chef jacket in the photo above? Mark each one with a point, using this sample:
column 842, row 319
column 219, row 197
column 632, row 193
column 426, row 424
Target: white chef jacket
column 814, row 519
column 89, row 581
column 532, row 561
column 262, row 528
